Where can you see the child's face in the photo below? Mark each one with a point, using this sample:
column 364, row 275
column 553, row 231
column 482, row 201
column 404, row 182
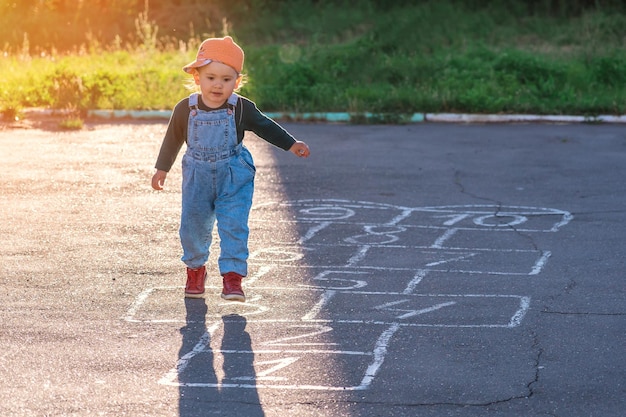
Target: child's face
column 217, row 82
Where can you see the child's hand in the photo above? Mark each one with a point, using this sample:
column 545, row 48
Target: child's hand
column 158, row 179
column 300, row 149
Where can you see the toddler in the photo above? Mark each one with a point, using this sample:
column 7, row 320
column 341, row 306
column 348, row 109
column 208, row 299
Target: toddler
column 218, row 171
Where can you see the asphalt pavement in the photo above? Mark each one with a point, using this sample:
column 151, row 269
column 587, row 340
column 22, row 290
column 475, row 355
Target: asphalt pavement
column 410, row 270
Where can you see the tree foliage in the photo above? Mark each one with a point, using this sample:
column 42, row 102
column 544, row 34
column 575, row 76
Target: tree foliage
column 68, row 25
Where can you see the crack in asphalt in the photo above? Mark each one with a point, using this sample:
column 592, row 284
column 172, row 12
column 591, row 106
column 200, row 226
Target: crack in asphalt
column 458, row 183
column 582, row 313
column 497, row 211
column 536, row 343
column 529, row 387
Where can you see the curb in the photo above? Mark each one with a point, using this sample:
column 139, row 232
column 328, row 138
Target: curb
column 389, row 118
column 355, row 118
column 444, row 118
column 523, row 118
column 367, row 118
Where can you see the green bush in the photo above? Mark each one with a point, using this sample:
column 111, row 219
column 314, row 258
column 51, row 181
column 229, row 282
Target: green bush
column 391, row 58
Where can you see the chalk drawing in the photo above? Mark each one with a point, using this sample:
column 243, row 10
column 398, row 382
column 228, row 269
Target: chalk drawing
column 346, row 246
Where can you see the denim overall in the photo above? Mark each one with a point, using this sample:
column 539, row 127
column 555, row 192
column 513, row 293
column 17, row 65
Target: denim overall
column 218, row 183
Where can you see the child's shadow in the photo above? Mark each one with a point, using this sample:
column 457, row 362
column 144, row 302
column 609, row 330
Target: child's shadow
column 201, row 394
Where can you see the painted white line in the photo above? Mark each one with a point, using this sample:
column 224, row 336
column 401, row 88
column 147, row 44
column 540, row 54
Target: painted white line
column 359, row 256
column 419, row 276
column 263, row 270
column 415, row 247
column 267, row 386
column 429, row 295
column 259, row 377
column 441, row 239
column 567, row 217
column 442, row 326
column 519, row 314
column 426, row 310
column 183, row 361
column 486, row 229
column 457, row 258
column 411, row 313
column 541, row 262
column 400, row 269
column 250, row 308
column 292, row 351
column 454, row 218
column 390, row 304
column 324, row 299
column 378, row 234
column 328, row 276
column 136, row 305
column 481, row 221
column 380, row 350
column 313, row 231
column 388, row 323
column 327, row 212
column 320, row 329
column 276, row 254
column 279, row 364
column 406, row 213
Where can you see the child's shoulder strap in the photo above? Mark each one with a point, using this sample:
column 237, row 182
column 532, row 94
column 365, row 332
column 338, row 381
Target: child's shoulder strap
column 232, row 100
column 193, row 100
column 237, row 105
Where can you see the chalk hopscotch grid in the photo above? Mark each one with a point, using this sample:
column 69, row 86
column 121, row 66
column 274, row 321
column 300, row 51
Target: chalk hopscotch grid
column 541, row 259
column 522, row 305
column 322, row 214
column 377, row 355
column 317, row 210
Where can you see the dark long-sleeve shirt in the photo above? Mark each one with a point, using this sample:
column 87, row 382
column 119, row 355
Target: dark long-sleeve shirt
column 247, row 117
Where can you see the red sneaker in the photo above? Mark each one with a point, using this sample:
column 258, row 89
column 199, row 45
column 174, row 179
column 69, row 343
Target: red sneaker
column 232, row 287
column 195, row 282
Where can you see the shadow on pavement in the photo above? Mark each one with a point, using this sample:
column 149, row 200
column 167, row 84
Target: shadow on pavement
column 201, row 393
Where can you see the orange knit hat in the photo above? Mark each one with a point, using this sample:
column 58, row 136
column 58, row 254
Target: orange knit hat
column 223, row 50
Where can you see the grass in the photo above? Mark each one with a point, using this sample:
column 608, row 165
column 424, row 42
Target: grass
column 71, row 123
column 436, row 56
